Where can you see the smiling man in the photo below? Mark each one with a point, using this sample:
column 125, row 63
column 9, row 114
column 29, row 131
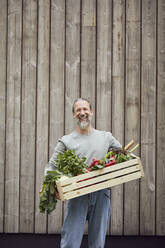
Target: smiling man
column 94, row 207
column 82, row 113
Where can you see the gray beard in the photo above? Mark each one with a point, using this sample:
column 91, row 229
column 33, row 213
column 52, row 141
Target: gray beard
column 84, row 124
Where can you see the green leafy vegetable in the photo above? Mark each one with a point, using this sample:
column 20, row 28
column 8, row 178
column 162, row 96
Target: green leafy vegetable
column 47, row 194
column 67, row 164
column 118, row 155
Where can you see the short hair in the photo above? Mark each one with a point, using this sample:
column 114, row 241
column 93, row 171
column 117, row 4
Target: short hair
column 81, row 99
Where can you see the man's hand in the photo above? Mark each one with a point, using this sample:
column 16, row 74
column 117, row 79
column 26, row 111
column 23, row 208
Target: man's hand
column 56, row 193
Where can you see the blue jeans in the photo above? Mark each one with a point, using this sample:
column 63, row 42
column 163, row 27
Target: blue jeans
column 94, row 207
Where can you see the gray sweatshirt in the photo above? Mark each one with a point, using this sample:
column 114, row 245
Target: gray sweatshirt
column 93, row 145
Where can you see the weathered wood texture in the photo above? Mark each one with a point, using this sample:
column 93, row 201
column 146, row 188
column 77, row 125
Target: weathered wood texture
column 56, row 107
column 42, row 120
column 88, row 54
column 72, row 60
column 104, row 58
column 13, row 117
column 117, row 117
column 132, row 109
column 148, row 117
column 3, row 42
column 160, row 159
column 88, row 51
column 53, row 51
column 100, row 179
column 28, row 116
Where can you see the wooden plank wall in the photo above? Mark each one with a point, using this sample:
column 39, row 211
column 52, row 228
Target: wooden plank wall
column 53, row 51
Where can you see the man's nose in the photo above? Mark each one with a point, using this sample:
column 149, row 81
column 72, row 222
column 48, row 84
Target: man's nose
column 82, row 112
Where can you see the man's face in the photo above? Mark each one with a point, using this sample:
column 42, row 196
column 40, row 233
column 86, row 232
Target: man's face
column 82, row 114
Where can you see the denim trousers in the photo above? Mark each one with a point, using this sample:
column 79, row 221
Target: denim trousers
column 94, row 208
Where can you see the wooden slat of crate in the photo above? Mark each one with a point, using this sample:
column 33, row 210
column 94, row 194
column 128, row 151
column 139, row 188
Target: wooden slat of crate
column 107, row 184
column 100, row 172
column 100, row 179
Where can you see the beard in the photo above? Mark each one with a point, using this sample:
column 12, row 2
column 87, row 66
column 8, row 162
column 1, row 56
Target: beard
column 83, row 124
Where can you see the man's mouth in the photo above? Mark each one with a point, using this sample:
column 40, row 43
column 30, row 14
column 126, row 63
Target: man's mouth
column 83, row 118
column 83, row 121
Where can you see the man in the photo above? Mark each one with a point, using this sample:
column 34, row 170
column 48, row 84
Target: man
column 94, row 207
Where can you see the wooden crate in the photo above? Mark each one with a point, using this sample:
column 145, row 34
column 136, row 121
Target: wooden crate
column 100, row 179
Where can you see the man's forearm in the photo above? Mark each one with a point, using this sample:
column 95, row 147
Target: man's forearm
column 60, row 148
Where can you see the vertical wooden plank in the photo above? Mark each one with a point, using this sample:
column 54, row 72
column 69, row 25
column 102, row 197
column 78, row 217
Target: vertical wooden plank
column 27, row 174
column 72, row 87
column 13, row 116
column 42, row 105
column 57, row 54
column 148, row 116
column 3, row 41
column 72, row 61
column 132, row 109
column 88, row 51
column 160, row 198
column 88, row 54
column 118, row 106
column 104, row 46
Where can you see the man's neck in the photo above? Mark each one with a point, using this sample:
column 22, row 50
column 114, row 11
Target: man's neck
column 88, row 130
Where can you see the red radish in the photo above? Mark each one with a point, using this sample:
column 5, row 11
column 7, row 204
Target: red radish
column 94, row 162
column 110, row 163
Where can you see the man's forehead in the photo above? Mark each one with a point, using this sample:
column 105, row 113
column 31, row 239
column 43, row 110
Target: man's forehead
column 81, row 103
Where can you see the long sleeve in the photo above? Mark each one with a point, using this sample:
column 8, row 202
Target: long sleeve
column 114, row 143
column 60, row 148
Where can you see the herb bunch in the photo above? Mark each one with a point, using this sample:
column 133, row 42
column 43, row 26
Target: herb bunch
column 68, row 163
column 114, row 156
column 47, row 194
column 119, row 155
